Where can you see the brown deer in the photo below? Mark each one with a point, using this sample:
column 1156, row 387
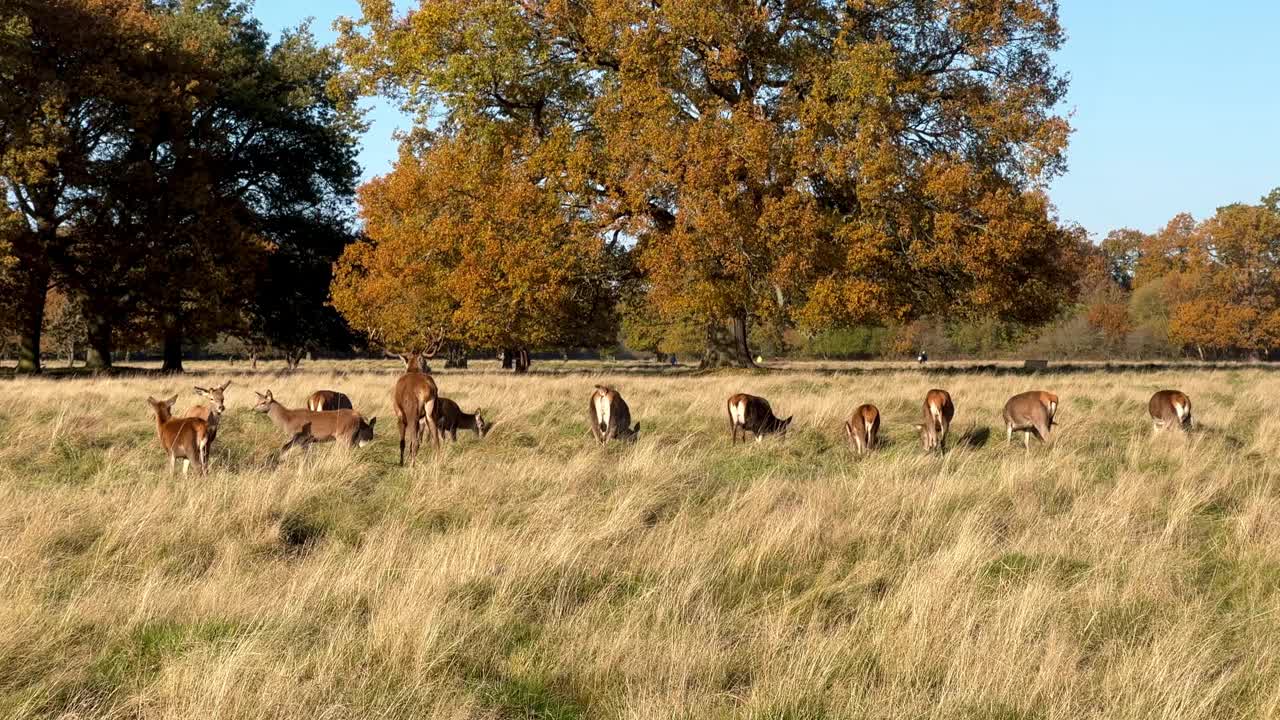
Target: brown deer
column 1030, row 412
column 751, row 413
column 609, row 416
column 186, row 438
column 414, row 399
column 321, row 400
column 212, row 412
column 937, row 412
column 450, row 419
column 863, row 428
column 306, row 426
column 1170, row 408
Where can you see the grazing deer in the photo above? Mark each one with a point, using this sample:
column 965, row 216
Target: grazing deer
column 1170, row 408
column 751, row 413
column 938, row 411
column 186, row 438
column 609, row 416
column 321, row 400
column 414, row 399
column 1030, row 412
column 212, row 412
column 863, row 428
column 450, row 419
column 307, row 426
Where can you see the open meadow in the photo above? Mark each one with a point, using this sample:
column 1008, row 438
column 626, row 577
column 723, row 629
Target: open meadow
column 534, row 574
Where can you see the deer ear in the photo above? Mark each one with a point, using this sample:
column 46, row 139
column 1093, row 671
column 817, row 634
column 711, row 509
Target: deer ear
column 171, row 401
column 372, row 421
column 200, row 390
column 152, row 401
column 225, row 385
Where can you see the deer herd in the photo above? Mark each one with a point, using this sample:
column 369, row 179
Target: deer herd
column 420, row 409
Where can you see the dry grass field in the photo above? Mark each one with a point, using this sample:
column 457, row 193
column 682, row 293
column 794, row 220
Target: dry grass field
column 1115, row 574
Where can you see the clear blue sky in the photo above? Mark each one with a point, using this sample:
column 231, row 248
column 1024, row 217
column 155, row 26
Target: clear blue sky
column 1176, row 105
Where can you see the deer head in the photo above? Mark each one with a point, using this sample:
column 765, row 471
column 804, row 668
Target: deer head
column 264, row 401
column 364, row 433
column 162, row 408
column 216, row 396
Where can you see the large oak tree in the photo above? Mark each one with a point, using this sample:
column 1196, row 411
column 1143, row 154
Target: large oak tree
column 813, row 161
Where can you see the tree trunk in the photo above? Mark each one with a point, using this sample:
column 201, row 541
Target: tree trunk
column 521, row 361
column 508, row 358
column 34, row 280
column 455, row 357
column 727, row 344
column 98, row 352
column 172, row 346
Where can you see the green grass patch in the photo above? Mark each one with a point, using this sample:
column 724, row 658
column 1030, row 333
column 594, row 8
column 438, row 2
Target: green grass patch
column 1017, row 568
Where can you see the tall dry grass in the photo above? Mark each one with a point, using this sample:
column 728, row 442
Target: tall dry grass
column 1115, row 574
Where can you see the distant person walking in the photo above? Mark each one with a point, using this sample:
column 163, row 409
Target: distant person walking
column 922, row 358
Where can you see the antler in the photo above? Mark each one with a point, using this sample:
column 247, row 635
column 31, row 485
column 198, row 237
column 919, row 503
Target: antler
column 433, row 346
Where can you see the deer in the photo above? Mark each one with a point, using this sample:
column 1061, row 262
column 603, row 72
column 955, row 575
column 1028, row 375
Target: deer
column 307, row 426
column 609, row 416
column 212, row 412
column 938, row 410
column 414, row 399
column 1030, row 412
column 450, row 419
column 322, row 400
column 863, row 429
column 1170, row 408
column 186, row 438
column 751, row 413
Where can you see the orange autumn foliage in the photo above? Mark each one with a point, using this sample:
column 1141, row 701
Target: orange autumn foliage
column 812, row 162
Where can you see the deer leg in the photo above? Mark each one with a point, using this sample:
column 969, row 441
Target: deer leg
column 415, row 440
column 173, row 460
column 1026, row 440
column 431, row 423
column 403, row 427
column 1009, row 432
column 186, row 466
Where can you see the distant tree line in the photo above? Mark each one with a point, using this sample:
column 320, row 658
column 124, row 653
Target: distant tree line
column 718, row 180
column 1205, row 289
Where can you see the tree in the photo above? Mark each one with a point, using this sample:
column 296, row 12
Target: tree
column 467, row 246
column 1123, row 252
column 69, row 73
column 815, row 161
column 64, row 323
column 1228, row 282
column 290, row 308
column 254, row 156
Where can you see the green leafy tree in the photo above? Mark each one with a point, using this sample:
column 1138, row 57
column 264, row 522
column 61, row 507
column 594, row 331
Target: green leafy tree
column 71, row 74
column 243, row 177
